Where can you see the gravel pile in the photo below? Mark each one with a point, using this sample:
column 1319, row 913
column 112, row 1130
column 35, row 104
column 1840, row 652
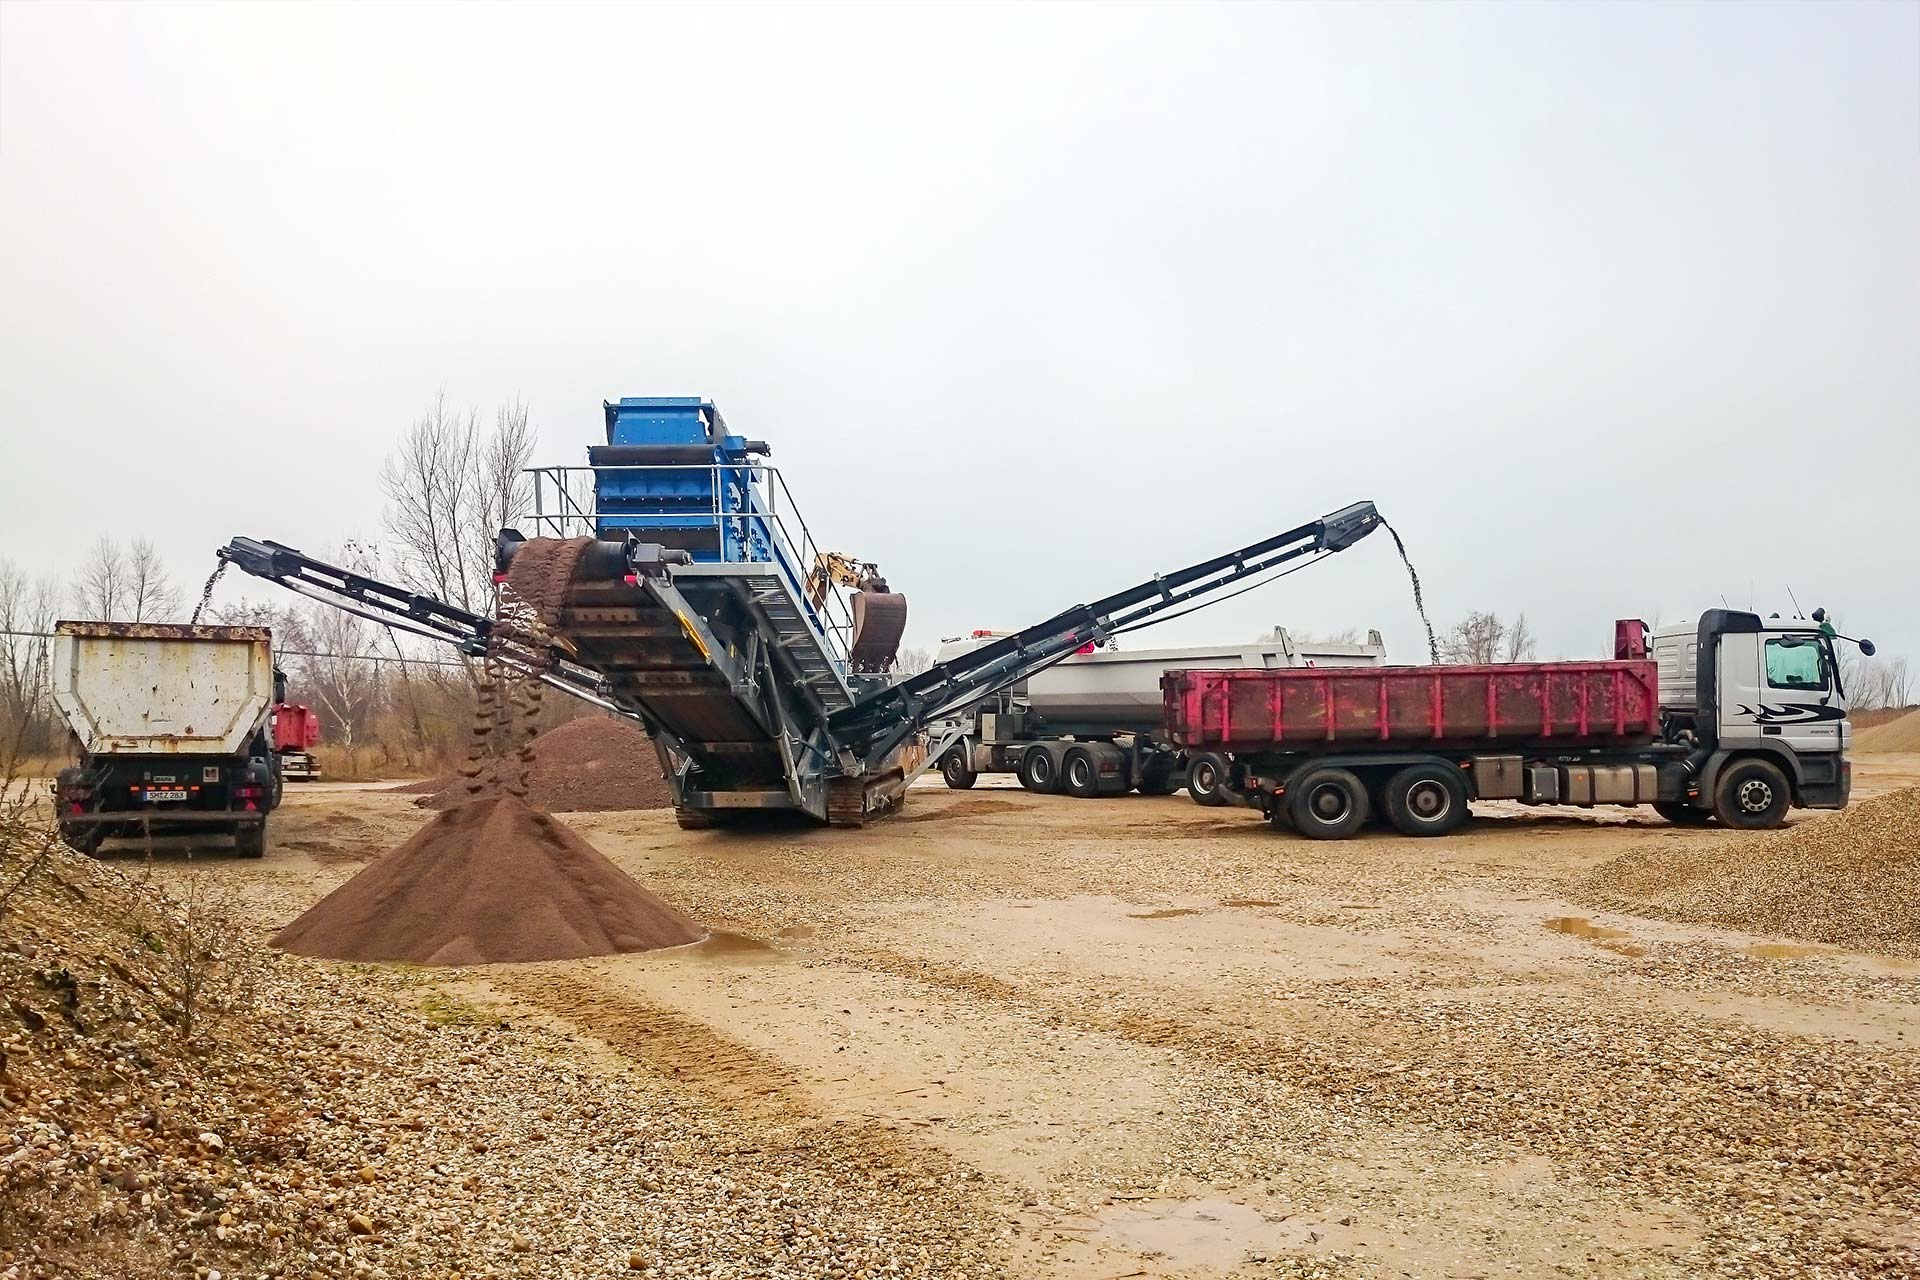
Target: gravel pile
column 1847, row 878
column 589, row 765
column 1895, row 735
column 488, row 882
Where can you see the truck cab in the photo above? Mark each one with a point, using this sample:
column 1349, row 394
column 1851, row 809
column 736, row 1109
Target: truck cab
column 1740, row 687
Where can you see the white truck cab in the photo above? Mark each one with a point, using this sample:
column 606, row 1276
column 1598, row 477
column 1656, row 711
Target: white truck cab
column 1745, row 688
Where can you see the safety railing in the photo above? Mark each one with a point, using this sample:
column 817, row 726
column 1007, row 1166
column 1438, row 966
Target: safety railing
column 564, row 506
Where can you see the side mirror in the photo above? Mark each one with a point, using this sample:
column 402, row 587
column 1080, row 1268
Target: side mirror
column 1866, row 648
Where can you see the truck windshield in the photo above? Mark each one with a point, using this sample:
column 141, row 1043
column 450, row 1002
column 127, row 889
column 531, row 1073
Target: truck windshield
column 1797, row 663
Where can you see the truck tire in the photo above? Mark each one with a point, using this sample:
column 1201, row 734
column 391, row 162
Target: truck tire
column 1751, row 795
column 1037, row 771
column 1327, row 804
column 1682, row 814
column 955, row 771
column 1425, row 799
column 250, row 841
column 84, row 839
column 1204, row 776
column 1080, row 773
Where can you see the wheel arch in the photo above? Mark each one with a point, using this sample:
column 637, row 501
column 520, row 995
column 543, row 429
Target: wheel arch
column 1779, row 757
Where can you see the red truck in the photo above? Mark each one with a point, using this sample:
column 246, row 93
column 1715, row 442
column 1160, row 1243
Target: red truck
column 1735, row 719
column 296, row 732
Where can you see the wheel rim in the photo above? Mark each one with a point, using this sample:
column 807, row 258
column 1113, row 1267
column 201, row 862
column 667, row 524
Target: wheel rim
column 1755, row 795
column 952, row 768
column 1079, row 772
column 1329, row 802
column 1429, row 800
column 1203, row 776
column 1041, row 770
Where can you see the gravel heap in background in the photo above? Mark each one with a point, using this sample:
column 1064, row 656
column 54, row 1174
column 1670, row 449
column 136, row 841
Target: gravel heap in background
column 486, row 883
column 1895, row 735
column 587, row 765
column 1848, row 878
column 321, row 1130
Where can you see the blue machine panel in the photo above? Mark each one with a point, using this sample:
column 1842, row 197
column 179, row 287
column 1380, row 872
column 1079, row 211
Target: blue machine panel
column 671, row 473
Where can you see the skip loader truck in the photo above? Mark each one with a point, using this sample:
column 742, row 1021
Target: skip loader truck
column 1734, row 719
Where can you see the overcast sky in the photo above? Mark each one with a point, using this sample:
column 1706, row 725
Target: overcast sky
column 1613, row 309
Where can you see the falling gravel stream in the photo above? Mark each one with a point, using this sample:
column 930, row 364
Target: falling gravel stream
column 1419, row 598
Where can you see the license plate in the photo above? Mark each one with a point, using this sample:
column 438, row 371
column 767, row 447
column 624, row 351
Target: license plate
column 166, row 793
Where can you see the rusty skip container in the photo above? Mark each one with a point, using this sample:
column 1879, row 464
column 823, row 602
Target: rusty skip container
column 158, row 689
column 1321, row 709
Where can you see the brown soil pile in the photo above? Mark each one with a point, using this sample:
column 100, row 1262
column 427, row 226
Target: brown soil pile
column 587, row 765
column 1895, row 735
column 1846, row 878
column 487, row 883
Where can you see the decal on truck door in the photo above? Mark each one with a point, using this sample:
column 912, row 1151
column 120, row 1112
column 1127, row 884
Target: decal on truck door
column 1792, row 713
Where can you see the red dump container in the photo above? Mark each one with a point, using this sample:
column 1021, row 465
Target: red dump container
column 1407, row 708
column 295, row 728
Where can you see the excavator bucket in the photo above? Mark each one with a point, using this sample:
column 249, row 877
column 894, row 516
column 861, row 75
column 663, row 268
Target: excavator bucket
column 879, row 620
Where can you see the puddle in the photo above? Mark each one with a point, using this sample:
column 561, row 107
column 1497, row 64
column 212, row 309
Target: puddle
column 1165, row 913
column 725, row 947
column 1250, row 902
column 1581, row 927
column 1201, row 1233
column 1787, row 950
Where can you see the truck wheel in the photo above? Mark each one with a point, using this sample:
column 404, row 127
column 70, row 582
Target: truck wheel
column 1037, row 773
column 84, row 839
column 953, row 768
column 1204, row 777
column 1681, row 814
column 1327, row 804
column 1751, row 794
column 1081, row 773
column 250, row 841
column 1425, row 800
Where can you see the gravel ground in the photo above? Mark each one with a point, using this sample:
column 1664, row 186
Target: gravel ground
column 1022, row 1036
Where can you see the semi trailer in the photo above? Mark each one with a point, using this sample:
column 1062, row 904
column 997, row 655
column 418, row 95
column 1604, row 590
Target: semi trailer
column 1733, row 718
column 172, row 724
column 1092, row 724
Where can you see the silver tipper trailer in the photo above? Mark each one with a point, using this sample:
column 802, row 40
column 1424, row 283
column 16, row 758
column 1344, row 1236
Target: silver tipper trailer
column 1092, row 724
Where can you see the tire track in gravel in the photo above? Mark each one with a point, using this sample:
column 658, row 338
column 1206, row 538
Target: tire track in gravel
column 1800, row 1155
column 766, row 1115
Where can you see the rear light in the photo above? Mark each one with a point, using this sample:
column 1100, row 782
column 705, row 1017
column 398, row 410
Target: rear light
column 76, row 809
column 633, row 579
column 499, row 578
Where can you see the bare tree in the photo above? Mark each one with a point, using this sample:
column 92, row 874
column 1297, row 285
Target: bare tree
column 151, row 595
column 28, row 609
column 1900, row 683
column 101, row 593
column 1518, row 644
column 339, row 674
column 911, row 662
column 449, row 489
column 1483, row 638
